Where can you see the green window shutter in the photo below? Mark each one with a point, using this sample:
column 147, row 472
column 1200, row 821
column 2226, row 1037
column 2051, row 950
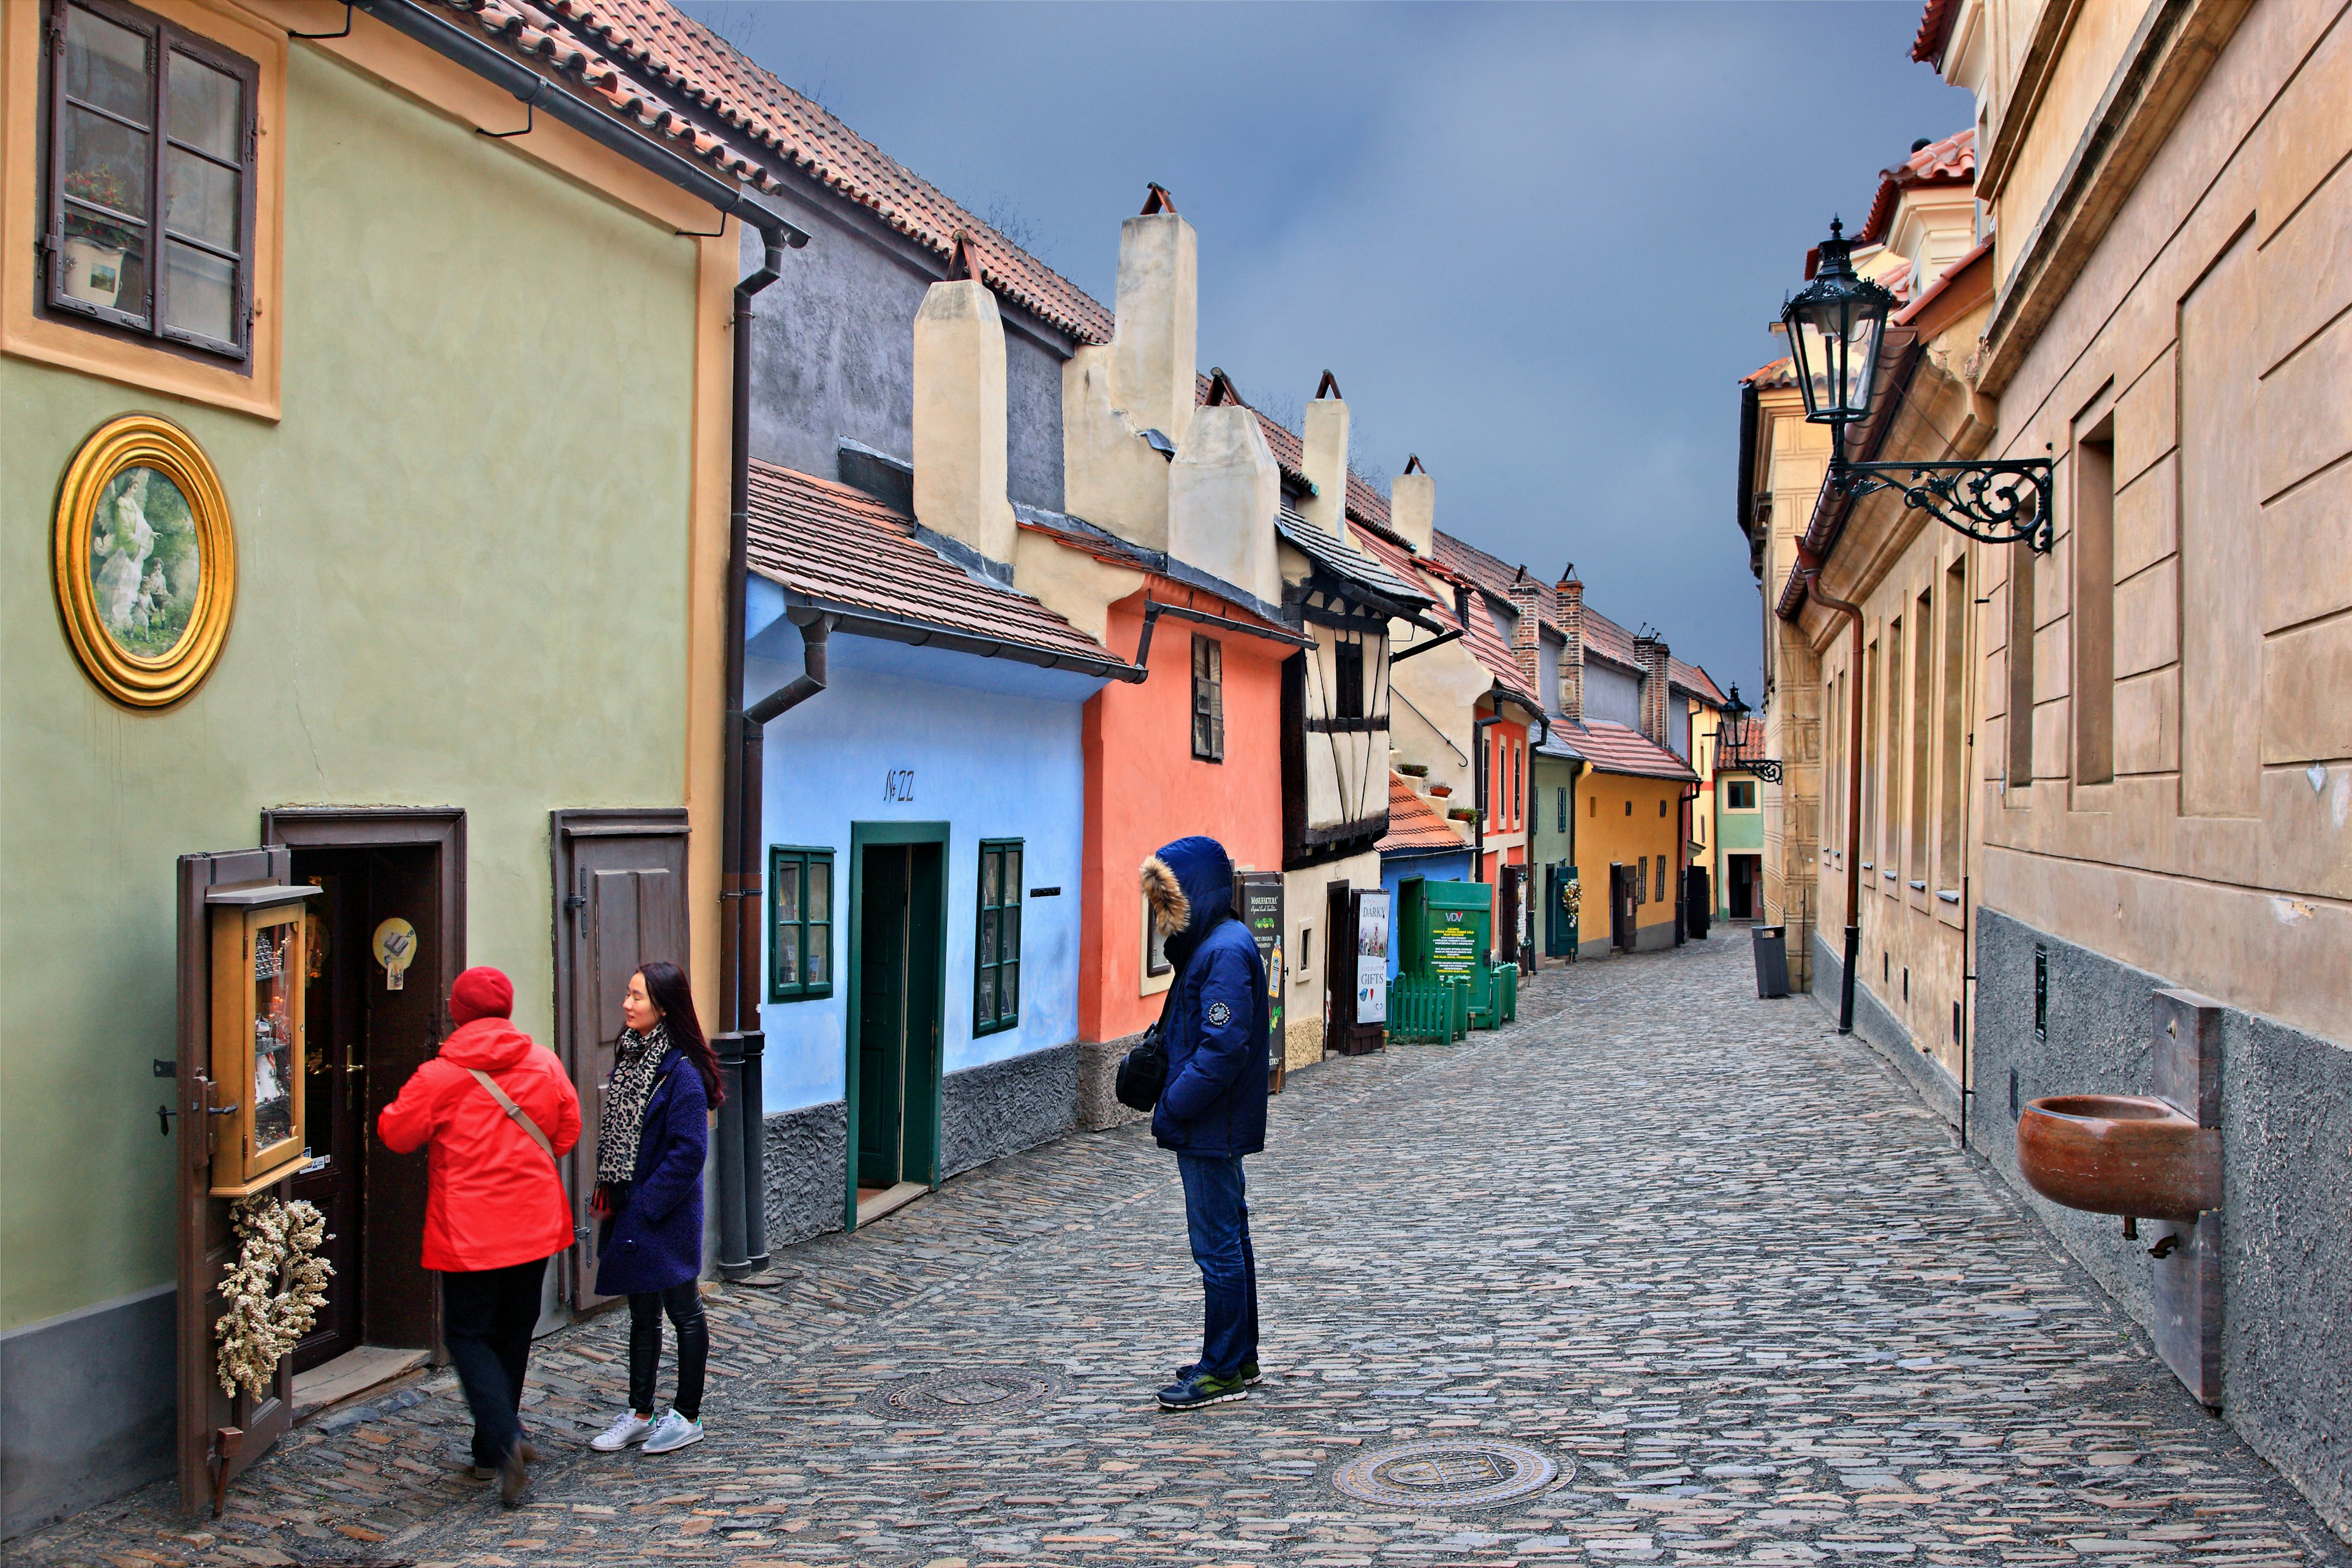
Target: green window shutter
column 996, row 938
column 800, row 922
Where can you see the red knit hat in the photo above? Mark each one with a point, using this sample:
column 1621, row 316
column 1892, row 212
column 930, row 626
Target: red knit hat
column 481, row 992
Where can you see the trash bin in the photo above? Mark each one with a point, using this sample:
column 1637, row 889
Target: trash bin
column 1771, row 961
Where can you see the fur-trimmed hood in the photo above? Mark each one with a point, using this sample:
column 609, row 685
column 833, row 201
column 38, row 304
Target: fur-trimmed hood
column 1188, row 886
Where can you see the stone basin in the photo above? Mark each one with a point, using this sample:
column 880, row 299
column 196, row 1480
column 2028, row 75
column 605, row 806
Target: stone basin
column 2125, row 1154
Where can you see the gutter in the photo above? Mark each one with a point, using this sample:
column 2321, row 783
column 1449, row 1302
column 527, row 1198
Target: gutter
column 1153, row 609
column 741, row 1182
column 862, row 623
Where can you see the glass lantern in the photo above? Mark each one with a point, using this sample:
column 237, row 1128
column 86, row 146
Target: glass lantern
column 1834, row 325
column 260, row 959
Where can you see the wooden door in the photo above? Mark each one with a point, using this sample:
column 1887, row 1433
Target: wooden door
column 219, row 1433
column 400, row 1030
column 1508, row 927
column 620, row 903
column 920, row 1084
column 883, row 942
column 1339, row 966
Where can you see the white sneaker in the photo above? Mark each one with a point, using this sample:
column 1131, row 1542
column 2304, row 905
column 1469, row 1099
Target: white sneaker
column 630, row 1428
column 671, row 1432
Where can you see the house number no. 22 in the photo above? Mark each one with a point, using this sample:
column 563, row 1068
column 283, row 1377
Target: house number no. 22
column 899, row 783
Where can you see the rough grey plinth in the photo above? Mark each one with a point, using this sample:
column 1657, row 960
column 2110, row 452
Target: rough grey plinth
column 806, row 1170
column 1098, row 1107
column 1005, row 1107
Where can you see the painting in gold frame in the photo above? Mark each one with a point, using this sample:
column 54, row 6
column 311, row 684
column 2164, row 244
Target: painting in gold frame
column 144, row 560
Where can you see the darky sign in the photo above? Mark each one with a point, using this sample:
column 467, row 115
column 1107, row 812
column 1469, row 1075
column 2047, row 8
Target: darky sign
column 1259, row 894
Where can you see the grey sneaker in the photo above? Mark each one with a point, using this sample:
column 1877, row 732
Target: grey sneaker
column 1200, row 1390
column 672, row 1432
column 1251, row 1376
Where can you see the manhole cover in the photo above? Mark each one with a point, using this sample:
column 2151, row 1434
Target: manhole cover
column 974, row 1393
column 1448, row 1473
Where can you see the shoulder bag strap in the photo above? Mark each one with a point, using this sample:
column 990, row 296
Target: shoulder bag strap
column 515, row 1114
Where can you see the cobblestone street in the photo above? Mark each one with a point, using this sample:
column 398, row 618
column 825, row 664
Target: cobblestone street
column 1714, row 1264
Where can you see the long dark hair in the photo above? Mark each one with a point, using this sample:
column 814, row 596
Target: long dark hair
column 667, row 989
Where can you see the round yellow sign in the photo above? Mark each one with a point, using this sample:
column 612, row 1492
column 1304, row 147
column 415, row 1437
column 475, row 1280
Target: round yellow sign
column 395, row 944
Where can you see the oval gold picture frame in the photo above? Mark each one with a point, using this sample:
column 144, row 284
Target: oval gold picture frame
column 136, row 441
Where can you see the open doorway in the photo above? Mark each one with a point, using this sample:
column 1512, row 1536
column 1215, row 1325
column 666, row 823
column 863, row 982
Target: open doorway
column 1739, row 885
column 897, row 1014
column 391, row 888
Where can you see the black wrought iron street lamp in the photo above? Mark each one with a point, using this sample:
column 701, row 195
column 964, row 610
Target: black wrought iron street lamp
column 1730, row 743
column 1837, row 327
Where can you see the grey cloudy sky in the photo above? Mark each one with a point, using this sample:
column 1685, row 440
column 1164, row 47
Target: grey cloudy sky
column 1538, row 244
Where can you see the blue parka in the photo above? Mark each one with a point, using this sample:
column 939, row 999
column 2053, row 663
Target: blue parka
column 656, row 1240
column 1215, row 1036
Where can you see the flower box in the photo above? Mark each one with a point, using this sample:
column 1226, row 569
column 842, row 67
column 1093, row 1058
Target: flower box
column 1464, row 813
column 1413, row 770
column 1441, row 791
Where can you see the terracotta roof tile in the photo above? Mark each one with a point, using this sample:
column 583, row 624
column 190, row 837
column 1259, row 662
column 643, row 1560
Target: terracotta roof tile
column 1694, row 679
column 1782, row 372
column 1483, row 637
column 1951, row 162
column 1612, row 748
column 1935, row 33
column 844, row 549
column 1414, row 826
column 649, row 63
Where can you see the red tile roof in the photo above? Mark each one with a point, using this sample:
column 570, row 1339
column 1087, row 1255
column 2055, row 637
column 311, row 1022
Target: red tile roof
column 1483, row 637
column 844, row 549
column 649, row 63
column 1612, row 748
column 1414, row 826
column 1935, row 33
column 1951, row 162
column 1782, row 372
column 1610, row 640
column 1695, row 680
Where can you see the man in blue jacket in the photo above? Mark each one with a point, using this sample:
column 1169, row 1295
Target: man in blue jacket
column 1211, row 1111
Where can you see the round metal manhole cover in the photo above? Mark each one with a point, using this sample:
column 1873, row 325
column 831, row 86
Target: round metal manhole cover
column 1448, row 1472
column 973, row 1394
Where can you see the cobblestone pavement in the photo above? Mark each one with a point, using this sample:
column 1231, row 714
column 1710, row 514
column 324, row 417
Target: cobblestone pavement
column 1716, row 1264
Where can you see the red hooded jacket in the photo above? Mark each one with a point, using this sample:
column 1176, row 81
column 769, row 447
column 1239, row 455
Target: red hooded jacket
column 493, row 1197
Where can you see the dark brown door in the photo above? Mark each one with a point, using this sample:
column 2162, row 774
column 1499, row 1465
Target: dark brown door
column 1508, row 927
column 1620, row 904
column 212, row 1423
column 1339, row 966
column 620, row 902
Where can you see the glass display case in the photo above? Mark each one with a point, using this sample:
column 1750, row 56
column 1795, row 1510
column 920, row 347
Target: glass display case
column 260, row 959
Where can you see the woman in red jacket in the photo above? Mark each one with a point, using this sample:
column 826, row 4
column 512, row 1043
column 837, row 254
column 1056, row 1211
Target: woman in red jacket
column 497, row 1111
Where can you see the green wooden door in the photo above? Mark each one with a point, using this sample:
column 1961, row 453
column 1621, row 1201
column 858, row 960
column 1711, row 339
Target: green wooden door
column 883, row 940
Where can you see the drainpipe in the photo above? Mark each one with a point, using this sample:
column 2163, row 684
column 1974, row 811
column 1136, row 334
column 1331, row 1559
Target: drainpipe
column 1811, row 572
column 742, row 1141
column 738, row 1050
column 1478, row 786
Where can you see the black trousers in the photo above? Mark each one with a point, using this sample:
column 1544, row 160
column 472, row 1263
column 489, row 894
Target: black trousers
column 487, row 1317
column 684, row 1305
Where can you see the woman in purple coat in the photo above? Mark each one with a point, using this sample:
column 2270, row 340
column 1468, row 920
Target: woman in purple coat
column 649, row 1154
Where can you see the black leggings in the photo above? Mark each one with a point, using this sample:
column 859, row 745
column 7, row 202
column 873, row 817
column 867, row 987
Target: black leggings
column 684, row 1305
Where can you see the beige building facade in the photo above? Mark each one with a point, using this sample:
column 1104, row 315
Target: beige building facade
column 2125, row 765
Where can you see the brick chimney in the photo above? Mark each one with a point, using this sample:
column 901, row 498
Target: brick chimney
column 1650, row 653
column 1323, row 447
column 1527, row 630
column 1572, row 658
column 1412, row 507
column 960, row 414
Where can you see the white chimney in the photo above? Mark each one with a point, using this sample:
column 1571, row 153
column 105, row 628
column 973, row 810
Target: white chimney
column 959, row 418
column 1223, row 494
column 1152, row 343
column 1141, row 380
column 1412, row 507
column 1323, row 457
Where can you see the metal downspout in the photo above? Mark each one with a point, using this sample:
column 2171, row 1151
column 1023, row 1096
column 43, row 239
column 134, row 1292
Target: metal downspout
column 1811, row 572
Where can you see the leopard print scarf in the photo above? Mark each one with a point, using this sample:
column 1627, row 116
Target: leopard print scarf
column 637, row 1067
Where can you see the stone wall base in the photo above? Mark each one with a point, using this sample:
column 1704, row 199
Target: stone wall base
column 1878, row 1026
column 1097, row 1107
column 89, row 1406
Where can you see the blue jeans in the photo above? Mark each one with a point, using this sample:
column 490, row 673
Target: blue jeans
column 1216, row 1213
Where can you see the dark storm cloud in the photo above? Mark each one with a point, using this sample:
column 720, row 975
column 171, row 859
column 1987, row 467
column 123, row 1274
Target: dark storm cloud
column 1539, row 245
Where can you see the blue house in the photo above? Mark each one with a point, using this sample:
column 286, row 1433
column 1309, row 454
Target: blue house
column 921, row 815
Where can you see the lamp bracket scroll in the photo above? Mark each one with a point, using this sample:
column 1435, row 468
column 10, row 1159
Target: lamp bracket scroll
column 1995, row 502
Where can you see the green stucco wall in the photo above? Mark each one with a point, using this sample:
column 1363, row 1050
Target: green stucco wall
column 462, row 563
column 1549, row 776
